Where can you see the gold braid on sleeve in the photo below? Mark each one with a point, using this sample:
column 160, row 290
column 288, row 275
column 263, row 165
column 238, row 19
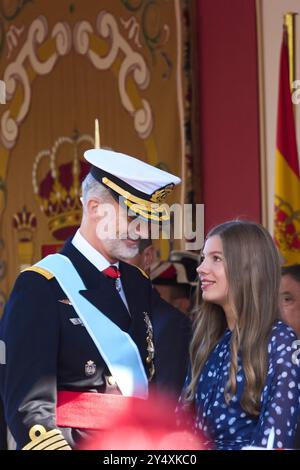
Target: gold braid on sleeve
column 40, row 439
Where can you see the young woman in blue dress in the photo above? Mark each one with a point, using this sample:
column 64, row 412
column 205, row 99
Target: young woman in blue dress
column 244, row 379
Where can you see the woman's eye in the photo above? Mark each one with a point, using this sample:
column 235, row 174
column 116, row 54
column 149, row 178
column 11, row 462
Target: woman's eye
column 201, row 259
column 217, row 258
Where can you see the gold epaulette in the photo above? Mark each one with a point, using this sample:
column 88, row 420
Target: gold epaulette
column 41, row 271
column 142, row 271
column 46, row 440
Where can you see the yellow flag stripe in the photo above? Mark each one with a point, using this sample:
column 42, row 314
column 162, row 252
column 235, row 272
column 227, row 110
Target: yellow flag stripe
column 287, row 184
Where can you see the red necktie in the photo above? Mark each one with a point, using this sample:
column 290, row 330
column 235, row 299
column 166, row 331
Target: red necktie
column 112, row 271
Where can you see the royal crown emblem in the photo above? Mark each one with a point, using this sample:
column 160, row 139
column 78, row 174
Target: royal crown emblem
column 287, row 230
column 24, row 223
column 56, row 178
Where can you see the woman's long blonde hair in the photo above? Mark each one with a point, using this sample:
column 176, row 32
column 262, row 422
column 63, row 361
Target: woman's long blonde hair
column 252, row 268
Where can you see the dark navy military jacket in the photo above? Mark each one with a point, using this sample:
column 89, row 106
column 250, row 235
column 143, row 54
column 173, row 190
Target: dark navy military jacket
column 48, row 349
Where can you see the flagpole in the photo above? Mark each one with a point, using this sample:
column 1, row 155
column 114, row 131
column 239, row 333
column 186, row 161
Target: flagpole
column 262, row 120
column 290, row 23
column 97, row 134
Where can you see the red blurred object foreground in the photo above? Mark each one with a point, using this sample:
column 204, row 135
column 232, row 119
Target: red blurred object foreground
column 144, row 425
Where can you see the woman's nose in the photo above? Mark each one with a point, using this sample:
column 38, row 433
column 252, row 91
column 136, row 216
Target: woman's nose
column 202, row 268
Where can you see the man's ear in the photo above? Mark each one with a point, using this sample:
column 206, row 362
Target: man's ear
column 92, row 207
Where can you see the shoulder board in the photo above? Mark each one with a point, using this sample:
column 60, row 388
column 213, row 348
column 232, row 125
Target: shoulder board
column 142, row 271
column 41, row 271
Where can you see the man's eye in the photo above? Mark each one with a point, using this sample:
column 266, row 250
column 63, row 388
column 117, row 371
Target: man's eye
column 131, row 218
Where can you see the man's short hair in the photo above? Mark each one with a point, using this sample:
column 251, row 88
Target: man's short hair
column 91, row 187
column 292, row 270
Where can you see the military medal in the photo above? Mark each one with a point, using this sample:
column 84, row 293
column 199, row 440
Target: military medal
column 90, row 368
column 65, row 301
column 118, row 284
column 150, row 346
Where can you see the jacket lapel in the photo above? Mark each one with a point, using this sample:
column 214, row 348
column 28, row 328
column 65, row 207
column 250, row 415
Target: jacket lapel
column 106, row 299
column 101, row 292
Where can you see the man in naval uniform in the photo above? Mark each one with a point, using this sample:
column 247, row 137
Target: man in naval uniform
column 78, row 325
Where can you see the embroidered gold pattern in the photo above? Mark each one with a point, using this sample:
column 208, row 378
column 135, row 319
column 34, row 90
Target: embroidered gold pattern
column 161, row 194
column 41, row 271
column 46, row 440
column 157, row 213
column 141, row 270
column 144, row 207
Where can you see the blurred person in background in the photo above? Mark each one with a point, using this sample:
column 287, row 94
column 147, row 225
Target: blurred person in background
column 289, row 301
column 145, row 256
column 289, row 296
column 176, row 279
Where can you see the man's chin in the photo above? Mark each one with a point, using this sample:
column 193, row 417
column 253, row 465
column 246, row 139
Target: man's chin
column 130, row 251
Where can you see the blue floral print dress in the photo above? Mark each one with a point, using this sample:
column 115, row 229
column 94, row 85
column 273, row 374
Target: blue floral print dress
column 228, row 426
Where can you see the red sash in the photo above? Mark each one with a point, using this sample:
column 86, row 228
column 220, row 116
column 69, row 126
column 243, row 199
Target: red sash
column 90, row 410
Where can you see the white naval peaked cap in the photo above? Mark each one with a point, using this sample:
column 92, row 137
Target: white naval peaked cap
column 142, row 186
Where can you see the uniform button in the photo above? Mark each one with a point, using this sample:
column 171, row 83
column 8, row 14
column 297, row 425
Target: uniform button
column 111, row 380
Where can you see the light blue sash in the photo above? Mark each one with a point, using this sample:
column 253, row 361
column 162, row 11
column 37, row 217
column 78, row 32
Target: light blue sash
column 117, row 348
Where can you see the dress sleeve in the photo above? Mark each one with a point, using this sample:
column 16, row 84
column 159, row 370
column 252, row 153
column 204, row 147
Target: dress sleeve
column 281, row 395
column 30, row 331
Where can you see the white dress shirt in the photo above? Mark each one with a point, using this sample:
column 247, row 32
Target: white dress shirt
column 97, row 259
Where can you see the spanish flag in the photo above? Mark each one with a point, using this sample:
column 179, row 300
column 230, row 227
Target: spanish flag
column 287, row 177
